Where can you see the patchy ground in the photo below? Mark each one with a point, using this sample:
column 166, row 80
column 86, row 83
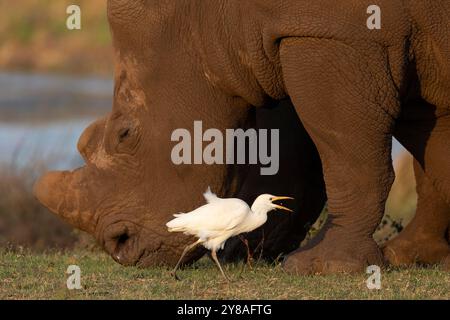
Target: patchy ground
column 42, row 276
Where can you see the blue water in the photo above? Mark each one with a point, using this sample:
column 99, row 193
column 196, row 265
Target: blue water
column 52, row 145
column 42, row 117
column 12, row 84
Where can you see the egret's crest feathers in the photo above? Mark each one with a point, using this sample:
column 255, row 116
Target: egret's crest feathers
column 210, row 196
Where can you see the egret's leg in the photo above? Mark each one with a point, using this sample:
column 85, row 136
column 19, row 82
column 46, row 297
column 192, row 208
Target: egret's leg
column 249, row 254
column 214, row 256
column 186, row 250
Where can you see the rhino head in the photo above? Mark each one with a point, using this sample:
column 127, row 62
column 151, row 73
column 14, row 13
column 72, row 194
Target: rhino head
column 169, row 72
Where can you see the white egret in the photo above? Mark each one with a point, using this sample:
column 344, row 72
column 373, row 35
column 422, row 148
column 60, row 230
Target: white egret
column 220, row 219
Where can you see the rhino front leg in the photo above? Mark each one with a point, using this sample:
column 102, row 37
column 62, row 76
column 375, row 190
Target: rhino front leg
column 347, row 104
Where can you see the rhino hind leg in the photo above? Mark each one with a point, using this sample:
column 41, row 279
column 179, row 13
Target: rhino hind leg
column 425, row 239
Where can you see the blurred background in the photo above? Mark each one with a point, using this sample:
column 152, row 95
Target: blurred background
column 53, row 83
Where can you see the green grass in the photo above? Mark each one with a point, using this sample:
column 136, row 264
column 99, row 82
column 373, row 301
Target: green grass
column 42, row 276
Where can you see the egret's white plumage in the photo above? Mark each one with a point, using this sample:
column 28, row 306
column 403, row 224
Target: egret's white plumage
column 220, row 219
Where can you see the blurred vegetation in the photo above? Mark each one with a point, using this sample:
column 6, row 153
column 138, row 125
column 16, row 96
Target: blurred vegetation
column 24, row 222
column 34, row 37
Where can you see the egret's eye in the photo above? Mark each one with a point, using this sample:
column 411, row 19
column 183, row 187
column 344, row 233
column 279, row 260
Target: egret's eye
column 123, row 134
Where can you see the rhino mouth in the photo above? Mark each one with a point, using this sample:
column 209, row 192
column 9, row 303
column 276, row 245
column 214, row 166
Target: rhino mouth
column 150, row 257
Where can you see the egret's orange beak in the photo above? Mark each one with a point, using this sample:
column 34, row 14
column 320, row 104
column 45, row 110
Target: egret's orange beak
column 281, row 207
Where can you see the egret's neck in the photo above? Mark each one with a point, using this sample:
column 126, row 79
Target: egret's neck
column 258, row 216
column 261, row 209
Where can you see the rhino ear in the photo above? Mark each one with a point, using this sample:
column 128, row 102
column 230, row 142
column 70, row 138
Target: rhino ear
column 90, row 139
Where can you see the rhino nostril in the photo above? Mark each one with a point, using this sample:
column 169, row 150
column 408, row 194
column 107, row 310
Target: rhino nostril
column 122, row 239
column 121, row 248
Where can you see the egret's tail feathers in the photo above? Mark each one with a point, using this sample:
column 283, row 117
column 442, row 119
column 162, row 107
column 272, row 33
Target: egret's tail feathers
column 210, row 196
column 176, row 229
column 175, row 225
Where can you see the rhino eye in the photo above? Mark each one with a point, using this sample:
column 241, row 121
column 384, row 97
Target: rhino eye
column 123, row 134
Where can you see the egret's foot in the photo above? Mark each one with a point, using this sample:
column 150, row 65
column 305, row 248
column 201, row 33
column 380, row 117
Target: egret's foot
column 214, row 256
column 327, row 258
column 225, row 276
column 186, row 250
column 174, row 275
column 405, row 251
column 227, row 279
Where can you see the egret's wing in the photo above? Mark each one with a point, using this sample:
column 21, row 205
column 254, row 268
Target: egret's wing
column 216, row 216
column 209, row 196
column 225, row 214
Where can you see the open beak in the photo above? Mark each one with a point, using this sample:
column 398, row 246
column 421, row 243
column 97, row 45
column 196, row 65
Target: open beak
column 281, row 207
